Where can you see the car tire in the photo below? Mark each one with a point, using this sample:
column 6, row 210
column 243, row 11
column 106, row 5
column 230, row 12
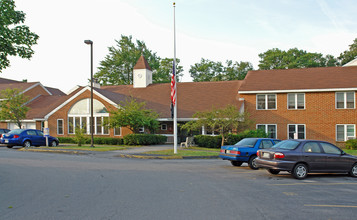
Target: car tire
column 353, row 171
column 9, row 146
column 236, row 163
column 27, row 144
column 252, row 163
column 300, row 171
column 274, row 172
column 53, row 144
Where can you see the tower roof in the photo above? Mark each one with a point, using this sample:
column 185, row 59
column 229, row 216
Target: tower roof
column 142, row 64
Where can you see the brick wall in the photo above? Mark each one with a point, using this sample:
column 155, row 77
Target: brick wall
column 319, row 116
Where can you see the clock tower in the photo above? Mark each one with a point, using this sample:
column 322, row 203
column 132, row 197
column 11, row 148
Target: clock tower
column 142, row 75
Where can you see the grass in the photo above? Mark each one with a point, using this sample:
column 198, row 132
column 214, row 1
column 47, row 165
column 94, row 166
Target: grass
column 352, row 152
column 186, row 152
column 88, row 147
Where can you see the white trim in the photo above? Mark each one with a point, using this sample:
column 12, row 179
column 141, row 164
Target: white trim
column 297, row 130
column 62, row 126
column 119, row 131
column 165, row 125
column 345, row 131
column 345, row 100
column 75, row 96
column 33, row 86
column 296, row 102
column 179, row 119
column 266, row 102
column 297, row 91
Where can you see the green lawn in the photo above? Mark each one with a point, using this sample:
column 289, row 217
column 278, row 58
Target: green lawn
column 353, row 152
column 185, row 152
column 88, row 147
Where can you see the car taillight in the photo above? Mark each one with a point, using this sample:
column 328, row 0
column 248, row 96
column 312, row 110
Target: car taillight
column 258, row 153
column 279, row 155
column 235, row 152
column 16, row 136
column 223, row 151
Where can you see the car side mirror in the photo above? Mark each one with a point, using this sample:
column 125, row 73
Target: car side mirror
column 343, row 153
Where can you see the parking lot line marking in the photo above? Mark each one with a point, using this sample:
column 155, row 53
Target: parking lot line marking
column 296, row 184
column 333, row 206
column 290, row 193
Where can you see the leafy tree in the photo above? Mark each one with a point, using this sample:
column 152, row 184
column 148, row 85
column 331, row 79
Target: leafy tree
column 12, row 106
column 15, row 39
column 237, row 71
column 293, row 58
column 134, row 115
column 164, row 72
column 223, row 121
column 350, row 54
column 117, row 66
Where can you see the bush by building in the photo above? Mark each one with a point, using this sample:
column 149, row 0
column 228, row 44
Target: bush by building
column 351, row 144
column 144, row 139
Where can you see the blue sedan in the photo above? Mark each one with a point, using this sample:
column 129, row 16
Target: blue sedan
column 245, row 151
column 27, row 138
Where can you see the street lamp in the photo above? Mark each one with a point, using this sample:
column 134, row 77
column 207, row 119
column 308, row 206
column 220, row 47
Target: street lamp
column 91, row 91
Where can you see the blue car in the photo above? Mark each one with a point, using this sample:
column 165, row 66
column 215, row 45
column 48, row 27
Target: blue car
column 245, row 151
column 27, row 138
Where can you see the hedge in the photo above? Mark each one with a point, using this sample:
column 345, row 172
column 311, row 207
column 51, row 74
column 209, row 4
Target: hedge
column 351, row 144
column 96, row 140
column 144, row 139
column 231, row 139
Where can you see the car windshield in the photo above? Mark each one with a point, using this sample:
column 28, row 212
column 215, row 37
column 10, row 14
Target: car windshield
column 247, row 142
column 16, row 131
column 287, row 145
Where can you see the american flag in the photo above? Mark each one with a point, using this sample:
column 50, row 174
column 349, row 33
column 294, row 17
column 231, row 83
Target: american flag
column 173, row 86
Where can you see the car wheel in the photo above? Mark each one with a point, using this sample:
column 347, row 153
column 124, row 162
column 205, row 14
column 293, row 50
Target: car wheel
column 274, row 172
column 236, row 163
column 300, row 171
column 252, row 164
column 27, row 144
column 53, row 144
column 353, row 171
column 9, row 146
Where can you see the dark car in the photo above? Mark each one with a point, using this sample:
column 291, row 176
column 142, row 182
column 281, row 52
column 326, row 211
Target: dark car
column 245, row 151
column 300, row 157
column 3, row 131
column 27, row 138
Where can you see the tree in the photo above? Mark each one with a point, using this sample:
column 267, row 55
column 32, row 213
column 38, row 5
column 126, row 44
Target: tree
column 293, row 58
column 164, row 72
column 350, row 54
column 223, row 121
column 117, row 67
column 12, row 106
column 237, row 71
column 134, row 116
column 15, row 39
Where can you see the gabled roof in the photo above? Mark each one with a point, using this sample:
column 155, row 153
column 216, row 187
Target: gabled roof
column 44, row 104
column 142, row 64
column 309, row 79
column 192, row 96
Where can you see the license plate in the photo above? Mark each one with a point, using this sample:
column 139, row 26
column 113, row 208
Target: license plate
column 266, row 155
column 228, row 151
column 6, row 141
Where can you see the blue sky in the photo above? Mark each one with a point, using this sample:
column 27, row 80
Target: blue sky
column 217, row 30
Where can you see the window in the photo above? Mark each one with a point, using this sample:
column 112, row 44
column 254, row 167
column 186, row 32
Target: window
column 31, row 133
column 264, row 144
column 163, row 126
column 117, row 131
column 266, row 101
column 296, row 101
column 59, row 126
column 312, row 147
column 296, row 131
column 344, row 132
column 345, row 100
column 269, row 129
column 330, row 149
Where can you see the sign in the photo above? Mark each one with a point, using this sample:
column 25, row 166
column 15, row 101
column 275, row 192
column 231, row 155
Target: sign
column 46, row 131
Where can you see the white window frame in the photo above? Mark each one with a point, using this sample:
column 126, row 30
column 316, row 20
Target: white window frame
column 345, row 131
column 266, row 102
column 345, row 100
column 62, row 127
column 119, row 131
column 164, row 127
column 296, row 129
column 296, row 101
column 266, row 129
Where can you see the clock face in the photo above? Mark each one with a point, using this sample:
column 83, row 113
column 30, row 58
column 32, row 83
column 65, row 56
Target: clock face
column 140, row 75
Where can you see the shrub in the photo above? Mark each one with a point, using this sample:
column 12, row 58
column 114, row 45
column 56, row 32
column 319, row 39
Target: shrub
column 208, row 141
column 144, row 139
column 351, row 144
column 96, row 140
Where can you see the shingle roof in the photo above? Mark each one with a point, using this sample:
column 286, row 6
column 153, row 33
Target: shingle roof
column 43, row 105
column 21, row 86
column 300, row 79
column 192, row 96
column 142, row 64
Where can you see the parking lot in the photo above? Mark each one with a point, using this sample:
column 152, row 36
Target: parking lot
column 59, row 186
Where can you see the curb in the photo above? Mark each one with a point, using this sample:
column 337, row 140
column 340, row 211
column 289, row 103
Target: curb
column 54, row 151
column 143, row 156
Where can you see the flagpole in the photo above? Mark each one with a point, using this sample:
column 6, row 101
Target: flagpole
column 175, row 105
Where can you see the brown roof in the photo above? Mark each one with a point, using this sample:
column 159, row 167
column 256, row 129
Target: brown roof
column 43, row 105
column 21, row 86
column 55, row 91
column 142, row 64
column 3, row 80
column 300, row 79
column 192, row 96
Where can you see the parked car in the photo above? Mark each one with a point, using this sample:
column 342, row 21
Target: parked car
column 245, row 151
column 300, row 157
column 27, row 138
column 3, row 131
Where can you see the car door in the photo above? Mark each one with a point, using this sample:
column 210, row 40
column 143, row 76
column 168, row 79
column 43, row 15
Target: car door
column 313, row 156
column 32, row 135
column 41, row 138
column 335, row 161
column 265, row 144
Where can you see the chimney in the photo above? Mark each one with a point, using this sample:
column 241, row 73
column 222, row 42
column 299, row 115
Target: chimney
column 96, row 83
